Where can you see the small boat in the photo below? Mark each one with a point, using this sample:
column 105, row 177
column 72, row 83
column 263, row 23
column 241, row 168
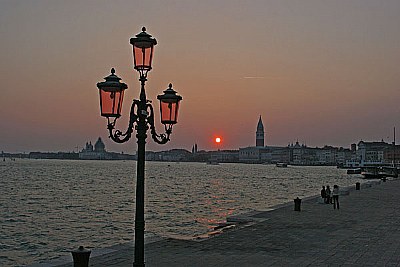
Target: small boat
column 372, row 173
column 388, row 172
column 212, row 162
column 281, row 165
column 354, row 171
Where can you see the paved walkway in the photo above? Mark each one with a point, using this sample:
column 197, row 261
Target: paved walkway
column 364, row 232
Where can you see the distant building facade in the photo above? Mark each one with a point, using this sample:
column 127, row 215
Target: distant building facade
column 98, row 152
column 296, row 154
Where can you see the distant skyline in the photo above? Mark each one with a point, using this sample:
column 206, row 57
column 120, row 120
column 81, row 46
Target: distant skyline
column 321, row 72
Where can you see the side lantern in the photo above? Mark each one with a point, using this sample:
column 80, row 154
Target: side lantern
column 111, row 95
column 169, row 106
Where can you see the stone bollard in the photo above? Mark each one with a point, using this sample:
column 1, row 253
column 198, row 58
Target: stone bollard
column 81, row 257
column 357, row 186
column 297, row 204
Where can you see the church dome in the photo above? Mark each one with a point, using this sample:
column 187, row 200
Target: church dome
column 99, row 146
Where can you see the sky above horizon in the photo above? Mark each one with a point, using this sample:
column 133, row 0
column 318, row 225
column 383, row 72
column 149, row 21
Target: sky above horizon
column 320, row 72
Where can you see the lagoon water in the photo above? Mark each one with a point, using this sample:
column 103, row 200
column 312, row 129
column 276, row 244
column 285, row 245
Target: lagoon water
column 49, row 207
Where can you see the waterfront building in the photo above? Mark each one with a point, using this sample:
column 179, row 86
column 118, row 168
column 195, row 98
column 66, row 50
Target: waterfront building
column 296, row 154
column 53, row 155
column 327, row 155
column 225, row 156
column 280, row 155
column 250, row 154
column 201, row 156
column 343, row 155
column 174, row 155
column 268, row 154
column 303, row 155
column 372, row 153
column 391, row 155
column 169, row 155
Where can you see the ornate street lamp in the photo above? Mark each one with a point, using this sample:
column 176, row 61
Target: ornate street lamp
column 111, row 95
column 142, row 114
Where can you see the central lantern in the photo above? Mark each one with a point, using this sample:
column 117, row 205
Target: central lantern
column 143, row 47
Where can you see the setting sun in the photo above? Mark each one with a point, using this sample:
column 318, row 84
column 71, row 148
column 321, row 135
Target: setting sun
column 218, row 140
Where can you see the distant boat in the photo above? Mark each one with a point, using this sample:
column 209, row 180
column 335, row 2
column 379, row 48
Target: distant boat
column 388, row 171
column 379, row 172
column 281, row 165
column 212, row 162
column 372, row 173
column 354, row 171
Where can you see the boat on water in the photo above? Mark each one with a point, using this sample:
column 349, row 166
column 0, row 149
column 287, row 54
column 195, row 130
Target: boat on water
column 354, row 171
column 372, row 173
column 388, row 171
column 212, row 162
column 281, row 165
column 379, row 172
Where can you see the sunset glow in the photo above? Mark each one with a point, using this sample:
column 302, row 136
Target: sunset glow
column 218, row 140
column 315, row 66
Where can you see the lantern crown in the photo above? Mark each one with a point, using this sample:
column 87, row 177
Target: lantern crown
column 143, row 39
column 112, row 83
column 143, row 48
column 169, row 95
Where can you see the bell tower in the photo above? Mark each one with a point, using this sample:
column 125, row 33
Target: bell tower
column 260, row 133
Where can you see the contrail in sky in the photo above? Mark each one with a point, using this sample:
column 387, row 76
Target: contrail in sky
column 253, row 77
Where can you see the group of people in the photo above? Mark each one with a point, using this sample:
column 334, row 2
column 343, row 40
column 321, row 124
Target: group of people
column 331, row 197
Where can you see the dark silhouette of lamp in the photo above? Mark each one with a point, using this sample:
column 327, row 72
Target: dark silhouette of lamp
column 142, row 114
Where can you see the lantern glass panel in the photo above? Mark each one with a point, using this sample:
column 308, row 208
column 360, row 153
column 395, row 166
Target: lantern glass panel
column 169, row 112
column 111, row 103
column 142, row 57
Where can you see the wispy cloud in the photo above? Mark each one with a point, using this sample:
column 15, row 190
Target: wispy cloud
column 253, row 77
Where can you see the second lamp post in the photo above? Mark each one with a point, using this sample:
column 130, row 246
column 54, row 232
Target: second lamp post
column 142, row 114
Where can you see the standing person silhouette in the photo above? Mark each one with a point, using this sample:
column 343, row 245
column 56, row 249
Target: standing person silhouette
column 323, row 194
column 328, row 195
column 335, row 194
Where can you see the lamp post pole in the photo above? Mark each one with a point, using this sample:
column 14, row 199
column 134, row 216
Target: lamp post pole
column 142, row 114
column 141, row 158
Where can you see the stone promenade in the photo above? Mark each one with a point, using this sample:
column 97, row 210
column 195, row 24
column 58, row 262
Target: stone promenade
column 364, row 232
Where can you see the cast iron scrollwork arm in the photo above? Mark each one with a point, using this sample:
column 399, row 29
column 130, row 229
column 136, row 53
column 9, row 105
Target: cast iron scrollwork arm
column 118, row 136
column 158, row 138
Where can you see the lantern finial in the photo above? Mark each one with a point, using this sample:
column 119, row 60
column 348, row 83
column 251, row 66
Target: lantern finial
column 143, row 29
column 112, row 71
column 170, row 85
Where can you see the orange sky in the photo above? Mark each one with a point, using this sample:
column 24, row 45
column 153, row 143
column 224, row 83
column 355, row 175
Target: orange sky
column 321, row 72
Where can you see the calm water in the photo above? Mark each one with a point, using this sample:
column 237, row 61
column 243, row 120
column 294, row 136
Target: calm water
column 49, row 207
